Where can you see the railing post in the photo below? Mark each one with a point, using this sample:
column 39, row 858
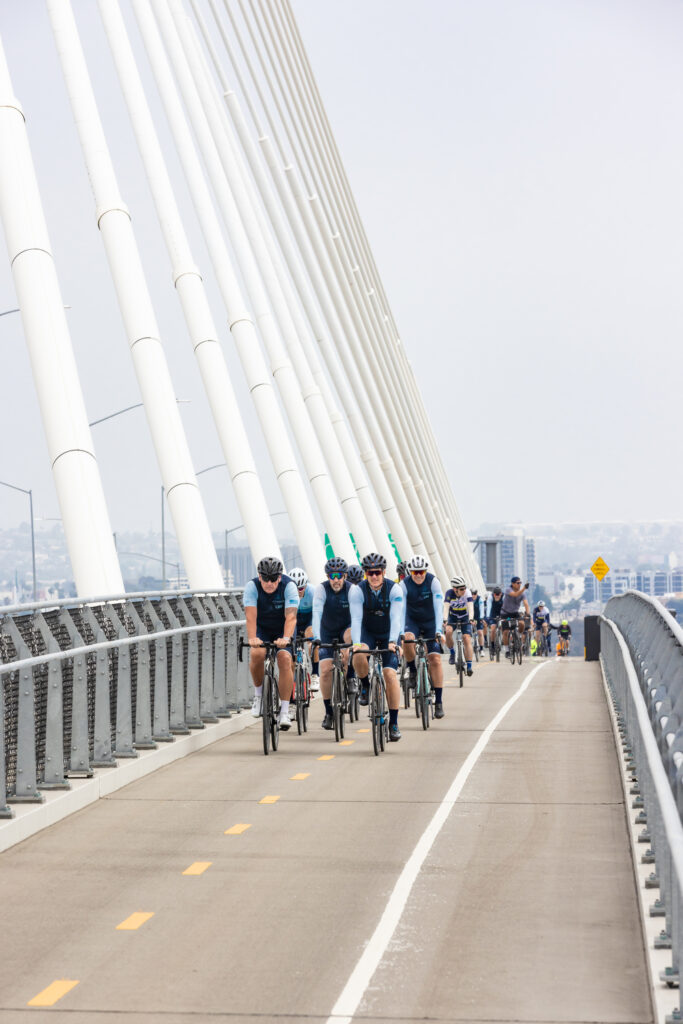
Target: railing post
column 25, row 790
column 192, row 717
column 53, row 774
column 124, row 693
column 177, row 705
column 143, row 696
column 160, row 731
column 220, row 700
column 206, row 683
column 5, row 810
column 102, row 745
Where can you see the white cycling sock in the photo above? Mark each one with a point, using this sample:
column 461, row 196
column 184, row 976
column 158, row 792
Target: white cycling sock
column 284, row 707
column 258, row 690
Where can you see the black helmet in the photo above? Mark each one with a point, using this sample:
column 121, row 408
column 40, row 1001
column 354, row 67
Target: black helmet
column 270, row 566
column 336, row 564
column 374, row 561
column 355, row 574
column 401, row 569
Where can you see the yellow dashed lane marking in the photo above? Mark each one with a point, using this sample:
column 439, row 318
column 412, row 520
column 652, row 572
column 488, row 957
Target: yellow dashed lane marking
column 198, row 868
column 53, row 993
column 300, row 776
column 326, row 757
column 236, row 830
column 269, row 800
column 346, row 743
column 134, row 922
column 363, row 730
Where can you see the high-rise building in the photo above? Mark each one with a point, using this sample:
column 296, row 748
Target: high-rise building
column 506, row 555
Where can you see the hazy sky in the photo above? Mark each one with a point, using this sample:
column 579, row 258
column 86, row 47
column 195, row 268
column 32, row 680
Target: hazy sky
column 518, row 166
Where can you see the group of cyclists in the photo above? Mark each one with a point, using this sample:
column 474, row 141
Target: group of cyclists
column 359, row 607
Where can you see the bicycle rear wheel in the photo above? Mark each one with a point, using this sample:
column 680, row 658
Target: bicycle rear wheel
column 299, row 698
column 405, row 682
column 384, row 716
column 460, row 659
column 265, row 714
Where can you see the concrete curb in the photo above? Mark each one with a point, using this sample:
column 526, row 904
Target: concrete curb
column 32, row 818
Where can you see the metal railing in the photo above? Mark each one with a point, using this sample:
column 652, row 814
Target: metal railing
column 642, row 658
column 83, row 683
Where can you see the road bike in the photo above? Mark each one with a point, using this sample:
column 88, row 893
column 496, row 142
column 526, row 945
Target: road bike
column 564, row 646
column 543, row 645
column 302, row 684
column 494, row 644
column 404, row 680
column 340, row 697
column 459, row 647
column 515, row 641
column 378, row 709
column 424, row 691
column 270, row 700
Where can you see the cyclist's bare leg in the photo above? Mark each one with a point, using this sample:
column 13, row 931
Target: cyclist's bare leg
column 449, row 637
column 393, row 689
column 326, row 678
column 435, row 669
column 285, row 682
column 360, row 662
column 467, row 641
column 257, row 659
column 409, row 648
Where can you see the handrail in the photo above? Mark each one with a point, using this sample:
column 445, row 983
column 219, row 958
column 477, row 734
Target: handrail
column 75, row 602
column 654, row 605
column 669, row 811
column 106, row 645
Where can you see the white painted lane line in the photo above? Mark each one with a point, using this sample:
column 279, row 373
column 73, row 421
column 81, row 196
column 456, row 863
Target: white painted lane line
column 355, row 988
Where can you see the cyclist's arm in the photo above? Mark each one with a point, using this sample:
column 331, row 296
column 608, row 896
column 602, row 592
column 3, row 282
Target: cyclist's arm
column 404, row 592
column 470, row 608
column 437, row 597
column 291, row 608
column 319, row 598
column 396, row 613
column 356, row 609
column 250, row 600
column 526, row 605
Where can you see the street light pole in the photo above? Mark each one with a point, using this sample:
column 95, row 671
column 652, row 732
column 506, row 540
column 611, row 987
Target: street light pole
column 163, row 537
column 23, row 490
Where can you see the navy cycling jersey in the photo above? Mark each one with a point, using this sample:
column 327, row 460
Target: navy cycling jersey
column 495, row 605
column 376, row 613
column 476, row 603
column 270, row 608
column 423, row 604
column 458, row 606
column 305, row 610
column 331, row 611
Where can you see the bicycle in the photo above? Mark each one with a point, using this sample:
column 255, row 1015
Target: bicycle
column 564, row 646
column 340, row 696
column 424, row 691
column 378, row 709
column 404, row 680
column 270, row 701
column 515, row 642
column 494, row 645
column 302, row 685
column 543, row 645
column 459, row 647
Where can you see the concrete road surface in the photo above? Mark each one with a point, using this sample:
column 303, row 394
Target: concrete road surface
column 521, row 905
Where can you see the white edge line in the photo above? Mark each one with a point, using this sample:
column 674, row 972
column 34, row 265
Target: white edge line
column 355, row 988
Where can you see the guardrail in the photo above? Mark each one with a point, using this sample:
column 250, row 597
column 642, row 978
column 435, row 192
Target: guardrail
column 84, row 683
column 642, row 659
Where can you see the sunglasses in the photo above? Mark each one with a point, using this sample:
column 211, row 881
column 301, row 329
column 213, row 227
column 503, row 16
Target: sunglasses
column 336, row 575
column 374, row 572
column 461, row 588
column 270, row 578
column 418, row 572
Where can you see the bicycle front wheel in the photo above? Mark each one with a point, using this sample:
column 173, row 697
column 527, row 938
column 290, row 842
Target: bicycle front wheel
column 274, row 712
column 423, row 690
column 376, row 717
column 337, row 705
column 461, row 663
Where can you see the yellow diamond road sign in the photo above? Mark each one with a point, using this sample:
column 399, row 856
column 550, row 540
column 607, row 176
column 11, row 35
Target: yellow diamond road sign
column 600, row 568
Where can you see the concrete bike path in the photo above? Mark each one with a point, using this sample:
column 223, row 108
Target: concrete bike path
column 523, row 910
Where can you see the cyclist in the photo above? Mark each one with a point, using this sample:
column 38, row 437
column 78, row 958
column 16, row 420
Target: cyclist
column 478, row 620
column 493, row 614
column 304, row 617
column 541, row 617
column 460, row 613
column 355, row 574
column 331, row 621
column 270, row 605
column 423, row 614
column 401, row 572
column 376, row 620
column 564, row 631
column 513, row 597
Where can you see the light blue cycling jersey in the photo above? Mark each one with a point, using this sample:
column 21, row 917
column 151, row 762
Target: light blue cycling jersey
column 306, row 601
column 250, row 599
column 416, row 614
column 357, row 605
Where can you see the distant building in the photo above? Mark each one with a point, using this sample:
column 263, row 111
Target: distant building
column 506, row 555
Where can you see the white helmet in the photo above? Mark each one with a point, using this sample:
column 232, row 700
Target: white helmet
column 299, row 576
column 417, row 563
column 541, row 604
column 458, row 581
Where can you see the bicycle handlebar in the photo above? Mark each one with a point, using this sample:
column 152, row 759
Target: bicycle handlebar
column 267, row 644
